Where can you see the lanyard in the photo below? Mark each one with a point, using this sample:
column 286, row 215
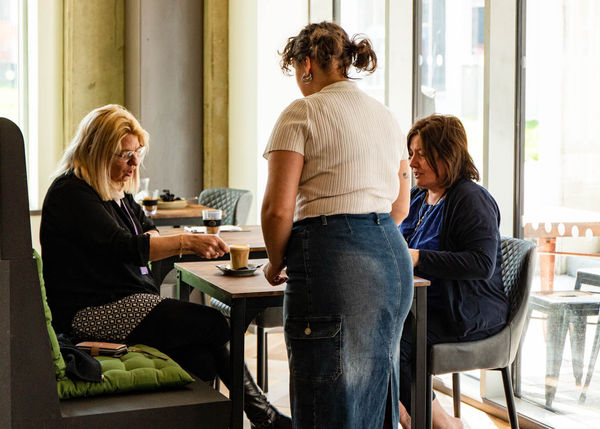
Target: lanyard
column 143, row 270
column 422, row 218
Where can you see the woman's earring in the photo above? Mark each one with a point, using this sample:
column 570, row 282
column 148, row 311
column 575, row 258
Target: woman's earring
column 306, row 79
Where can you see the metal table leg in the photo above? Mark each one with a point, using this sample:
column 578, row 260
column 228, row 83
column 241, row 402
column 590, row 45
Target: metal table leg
column 236, row 393
column 421, row 385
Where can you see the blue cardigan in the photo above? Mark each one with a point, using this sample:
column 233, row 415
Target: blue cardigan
column 466, row 295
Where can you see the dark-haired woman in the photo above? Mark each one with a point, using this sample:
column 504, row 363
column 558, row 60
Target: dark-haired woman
column 337, row 188
column 452, row 230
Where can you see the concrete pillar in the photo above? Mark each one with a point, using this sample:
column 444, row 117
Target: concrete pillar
column 93, row 58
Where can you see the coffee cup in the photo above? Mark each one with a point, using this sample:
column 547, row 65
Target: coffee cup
column 150, row 206
column 212, row 220
column 239, row 255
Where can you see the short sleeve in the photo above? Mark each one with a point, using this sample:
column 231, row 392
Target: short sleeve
column 291, row 129
column 404, row 155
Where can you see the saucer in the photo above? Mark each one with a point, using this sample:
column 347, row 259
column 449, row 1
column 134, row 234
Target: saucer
column 241, row 272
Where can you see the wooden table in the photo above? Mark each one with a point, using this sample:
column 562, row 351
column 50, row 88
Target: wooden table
column 190, row 215
column 247, row 296
column 250, row 235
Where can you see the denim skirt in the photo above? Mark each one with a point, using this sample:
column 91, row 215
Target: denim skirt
column 349, row 290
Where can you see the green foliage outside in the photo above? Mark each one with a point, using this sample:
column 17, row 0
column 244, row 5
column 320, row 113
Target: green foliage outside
column 532, row 138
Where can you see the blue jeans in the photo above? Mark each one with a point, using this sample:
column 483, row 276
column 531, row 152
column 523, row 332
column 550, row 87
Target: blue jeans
column 349, row 291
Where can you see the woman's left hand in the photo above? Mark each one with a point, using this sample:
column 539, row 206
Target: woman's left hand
column 414, row 255
column 273, row 274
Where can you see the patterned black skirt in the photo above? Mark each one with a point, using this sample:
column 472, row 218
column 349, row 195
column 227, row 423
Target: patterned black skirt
column 113, row 321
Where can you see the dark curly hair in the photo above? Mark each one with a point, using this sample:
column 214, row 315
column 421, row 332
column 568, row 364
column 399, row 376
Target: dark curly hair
column 444, row 139
column 327, row 43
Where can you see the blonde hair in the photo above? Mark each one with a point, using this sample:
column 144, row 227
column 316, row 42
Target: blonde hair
column 91, row 152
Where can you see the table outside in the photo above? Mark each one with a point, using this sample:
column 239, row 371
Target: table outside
column 247, row 296
column 547, row 233
column 565, row 310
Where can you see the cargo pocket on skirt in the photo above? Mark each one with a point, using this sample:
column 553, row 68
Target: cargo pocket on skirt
column 315, row 345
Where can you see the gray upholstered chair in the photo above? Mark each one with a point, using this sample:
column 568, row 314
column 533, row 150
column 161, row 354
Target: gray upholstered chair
column 234, row 202
column 498, row 351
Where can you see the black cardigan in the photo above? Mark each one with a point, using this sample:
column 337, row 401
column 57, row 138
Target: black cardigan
column 90, row 251
column 466, row 295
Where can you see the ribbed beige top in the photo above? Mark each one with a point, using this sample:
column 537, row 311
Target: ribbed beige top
column 352, row 147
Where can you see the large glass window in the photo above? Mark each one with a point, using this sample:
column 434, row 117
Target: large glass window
column 368, row 18
column 451, row 65
column 9, row 59
column 561, row 210
column 16, row 96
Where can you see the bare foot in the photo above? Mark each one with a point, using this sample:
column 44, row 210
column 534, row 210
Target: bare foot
column 405, row 421
column 442, row 420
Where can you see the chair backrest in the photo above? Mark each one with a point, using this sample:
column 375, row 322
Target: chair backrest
column 234, row 202
column 28, row 389
column 500, row 349
column 517, row 272
column 27, row 379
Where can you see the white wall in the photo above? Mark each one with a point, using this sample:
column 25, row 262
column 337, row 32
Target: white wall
column 258, row 90
column 499, row 108
column 45, row 96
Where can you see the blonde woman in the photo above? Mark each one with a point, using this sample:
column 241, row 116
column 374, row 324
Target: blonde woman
column 96, row 245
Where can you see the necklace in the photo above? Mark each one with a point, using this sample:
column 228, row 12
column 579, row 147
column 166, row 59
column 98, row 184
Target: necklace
column 424, row 215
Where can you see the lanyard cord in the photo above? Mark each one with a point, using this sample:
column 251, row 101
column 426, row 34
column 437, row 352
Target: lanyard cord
column 429, row 209
column 144, row 269
column 130, row 217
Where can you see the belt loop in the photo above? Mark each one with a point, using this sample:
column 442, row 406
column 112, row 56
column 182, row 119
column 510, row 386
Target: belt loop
column 323, row 220
column 377, row 219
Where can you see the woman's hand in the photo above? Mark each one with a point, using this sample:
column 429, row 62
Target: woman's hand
column 414, row 255
column 273, row 274
column 205, row 246
column 152, row 232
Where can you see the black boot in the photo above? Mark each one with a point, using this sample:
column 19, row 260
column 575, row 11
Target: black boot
column 260, row 412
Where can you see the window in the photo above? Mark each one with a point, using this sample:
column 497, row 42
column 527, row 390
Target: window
column 561, row 209
column 368, row 19
column 10, row 82
column 16, row 95
column 451, row 58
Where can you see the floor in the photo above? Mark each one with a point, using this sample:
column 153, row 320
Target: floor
column 278, row 385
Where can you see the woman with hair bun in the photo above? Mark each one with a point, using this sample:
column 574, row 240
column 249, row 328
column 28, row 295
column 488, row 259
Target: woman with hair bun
column 338, row 186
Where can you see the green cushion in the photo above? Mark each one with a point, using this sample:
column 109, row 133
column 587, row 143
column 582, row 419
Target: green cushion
column 143, row 368
column 57, row 359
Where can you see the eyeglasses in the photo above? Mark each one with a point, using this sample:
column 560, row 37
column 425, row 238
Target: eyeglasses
column 128, row 155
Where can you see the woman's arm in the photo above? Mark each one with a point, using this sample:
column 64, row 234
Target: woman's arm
column 473, row 235
column 401, row 206
column 277, row 215
column 205, row 246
